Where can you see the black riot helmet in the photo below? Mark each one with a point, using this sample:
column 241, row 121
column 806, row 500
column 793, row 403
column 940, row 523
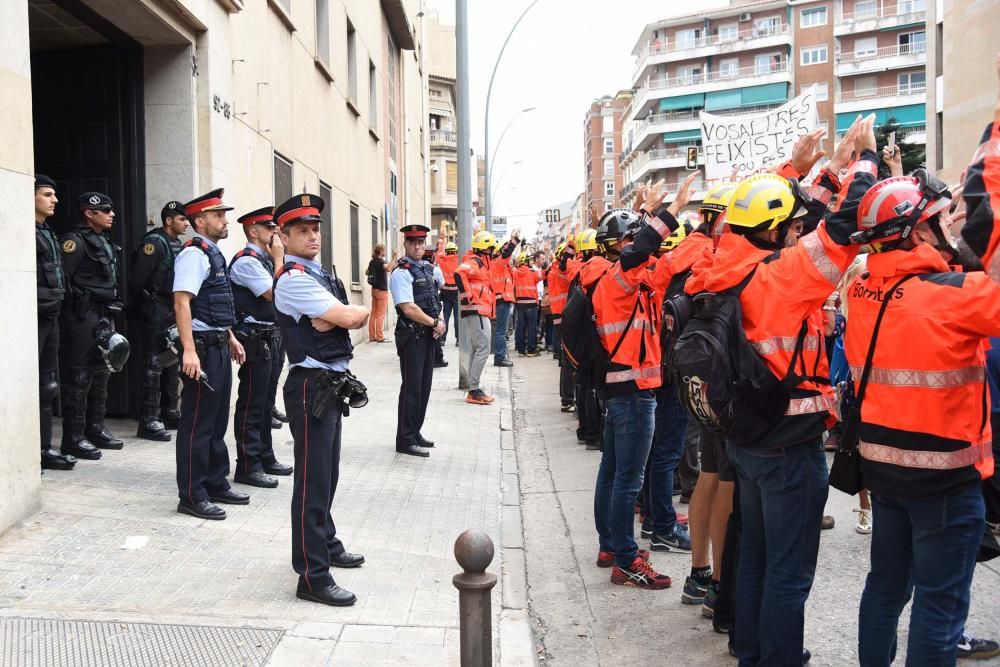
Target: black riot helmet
column 170, row 343
column 616, row 225
column 110, row 347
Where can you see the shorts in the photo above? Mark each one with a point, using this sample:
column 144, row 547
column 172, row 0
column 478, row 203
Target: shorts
column 713, row 456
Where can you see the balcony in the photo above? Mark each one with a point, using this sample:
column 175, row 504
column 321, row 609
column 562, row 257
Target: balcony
column 712, row 81
column 887, row 96
column 648, row 162
column 882, row 18
column 879, row 60
column 761, row 37
column 647, row 130
column 444, row 139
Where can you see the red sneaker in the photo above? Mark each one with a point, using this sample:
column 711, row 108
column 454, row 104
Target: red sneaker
column 682, row 518
column 607, row 558
column 640, row 574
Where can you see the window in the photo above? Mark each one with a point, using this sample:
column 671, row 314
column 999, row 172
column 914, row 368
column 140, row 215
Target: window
column 609, row 188
column 813, row 17
column 912, row 42
column 814, row 55
column 608, row 206
column 865, row 47
column 729, row 68
column 609, row 145
column 690, row 74
column 609, row 167
column 323, row 31
column 764, row 64
column 326, row 227
column 825, row 125
column 728, row 32
column 911, row 6
column 822, row 90
column 355, row 248
column 768, row 26
column 282, row 178
column 372, row 97
column 391, row 104
column 608, row 124
column 352, row 62
column 687, row 39
column 865, row 86
column 865, row 9
column 451, row 180
column 912, row 82
column 376, row 231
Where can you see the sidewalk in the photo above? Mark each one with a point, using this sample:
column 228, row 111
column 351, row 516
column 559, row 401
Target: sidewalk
column 107, row 545
column 580, row 618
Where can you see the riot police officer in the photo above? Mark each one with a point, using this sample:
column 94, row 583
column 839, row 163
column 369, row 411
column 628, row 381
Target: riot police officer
column 90, row 261
column 315, row 318
column 51, row 289
column 251, row 273
column 419, row 325
column 152, row 286
column 203, row 306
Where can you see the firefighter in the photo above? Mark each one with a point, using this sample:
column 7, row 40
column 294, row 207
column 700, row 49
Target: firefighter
column 446, row 257
column 502, row 279
column 589, row 268
column 477, row 303
column 526, row 279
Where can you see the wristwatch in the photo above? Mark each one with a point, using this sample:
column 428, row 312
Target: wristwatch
column 437, row 320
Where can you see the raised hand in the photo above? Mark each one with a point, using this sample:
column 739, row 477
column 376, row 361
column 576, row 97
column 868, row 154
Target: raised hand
column 805, row 154
column 683, row 194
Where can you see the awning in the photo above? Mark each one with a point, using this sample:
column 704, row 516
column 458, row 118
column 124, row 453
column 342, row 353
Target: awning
column 723, row 99
column 681, row 136
column 691, row 101
column 771, row 93
column 905, row 116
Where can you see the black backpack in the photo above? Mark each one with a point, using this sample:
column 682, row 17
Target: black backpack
column 721, row 380
column 678, row 308
column 578, row 334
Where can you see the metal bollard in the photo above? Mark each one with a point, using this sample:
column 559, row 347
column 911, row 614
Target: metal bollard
column 474, row 552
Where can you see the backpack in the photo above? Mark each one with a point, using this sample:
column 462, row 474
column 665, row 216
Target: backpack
column 578, row 334
column 678, row 308
column 721, row 380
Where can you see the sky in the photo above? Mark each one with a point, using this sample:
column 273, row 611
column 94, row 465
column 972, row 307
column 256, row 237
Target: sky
column 563, row 55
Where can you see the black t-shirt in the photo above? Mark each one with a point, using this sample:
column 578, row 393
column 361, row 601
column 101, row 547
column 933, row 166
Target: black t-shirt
column 376, row 274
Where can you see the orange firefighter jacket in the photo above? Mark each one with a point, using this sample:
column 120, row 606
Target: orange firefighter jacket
column 475, row 289
column 526, row 285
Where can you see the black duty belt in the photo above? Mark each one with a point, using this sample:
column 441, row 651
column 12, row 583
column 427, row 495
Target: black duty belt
column 211, row 338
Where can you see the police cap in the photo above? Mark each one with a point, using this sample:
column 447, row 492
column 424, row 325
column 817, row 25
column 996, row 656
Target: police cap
column 171, row 209
column 300, row 208
column 210, row 201
column 94, row 200
column 262, row 216
column 415, row 232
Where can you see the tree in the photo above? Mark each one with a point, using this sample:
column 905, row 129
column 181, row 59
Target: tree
column 913, row 155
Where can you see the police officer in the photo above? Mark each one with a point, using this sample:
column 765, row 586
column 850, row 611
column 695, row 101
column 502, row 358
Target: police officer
column 419, row 325
column 203, row 306
column 251, row 273
column 439, row 280
column 315, row 317
column 51, row 290
column 152, row 286
column 91, row 268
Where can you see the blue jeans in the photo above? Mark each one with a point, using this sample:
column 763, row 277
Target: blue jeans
column 925, row 548
column 628, row 435
column 526, row 329
column 664, row 456
column 500, row 330
column 449, row 301
column 782, row 495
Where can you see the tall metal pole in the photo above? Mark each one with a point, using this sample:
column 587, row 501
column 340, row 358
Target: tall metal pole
column 486, row 129
column 462, row 119
column 503, row 134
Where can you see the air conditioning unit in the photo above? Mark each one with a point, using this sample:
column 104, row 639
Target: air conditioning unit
column 745, row 16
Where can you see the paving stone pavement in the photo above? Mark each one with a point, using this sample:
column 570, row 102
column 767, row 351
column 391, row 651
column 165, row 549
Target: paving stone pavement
column 107, row 544
column 579, row 618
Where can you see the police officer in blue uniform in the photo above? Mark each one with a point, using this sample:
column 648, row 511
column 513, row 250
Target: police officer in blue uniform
column 418, row 326
column 203, row 306
column 315, row 319
column 51, row 290
column 251, row 273
column 90, row 263
column 152, row 290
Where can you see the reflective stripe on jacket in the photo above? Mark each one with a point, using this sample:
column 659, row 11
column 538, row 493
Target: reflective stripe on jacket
column 558, row 285
column 502, row 279
column 448, row 264
column 925, row 418
column 475, row 289
column 526, row 285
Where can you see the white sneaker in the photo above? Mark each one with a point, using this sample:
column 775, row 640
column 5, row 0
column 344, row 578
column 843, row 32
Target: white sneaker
column 864, row 526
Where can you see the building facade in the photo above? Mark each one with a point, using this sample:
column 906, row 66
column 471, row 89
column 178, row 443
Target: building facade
column 441, row 105
column 602, row 146
column 864, row 56
column 151, row 101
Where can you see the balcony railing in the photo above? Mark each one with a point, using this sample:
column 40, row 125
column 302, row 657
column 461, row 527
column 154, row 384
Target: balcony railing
column 661, row 154
column 660, row 47
column 883, row 91
column 714, row 76
column 900, row 10
column 883, row 52
column 692, row 114
column 445, row 137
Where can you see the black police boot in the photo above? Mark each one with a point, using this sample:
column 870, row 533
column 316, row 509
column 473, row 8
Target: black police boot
column 171, row 419
column 412, row 449
column 440, row 363
column 276, row 423
column 256, row 478
column 74, row 444
column 278, row 468
column 424, row 442
column 201, row 510
column 152, row 429
column 333, row 595
column 103, row 438
column 53, row 460
column 279, row 415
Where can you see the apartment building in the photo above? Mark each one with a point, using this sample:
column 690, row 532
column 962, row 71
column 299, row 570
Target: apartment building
column 553, row 225
column 602, row 141
column 150, row 101
column 863, row 56
column 443, row 130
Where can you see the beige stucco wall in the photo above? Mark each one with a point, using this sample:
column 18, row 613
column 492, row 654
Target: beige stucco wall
column 19, row 474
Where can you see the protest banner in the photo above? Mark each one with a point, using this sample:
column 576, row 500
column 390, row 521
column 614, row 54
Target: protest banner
column 737, row 146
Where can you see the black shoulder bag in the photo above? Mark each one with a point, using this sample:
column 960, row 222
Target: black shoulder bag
column 845, row 473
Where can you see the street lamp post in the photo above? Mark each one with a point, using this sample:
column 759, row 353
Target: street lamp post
column 489, row 94
column 500, row 180
column 503, row 134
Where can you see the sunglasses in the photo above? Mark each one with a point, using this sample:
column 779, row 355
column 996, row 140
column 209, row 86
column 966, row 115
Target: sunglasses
column 102, row 209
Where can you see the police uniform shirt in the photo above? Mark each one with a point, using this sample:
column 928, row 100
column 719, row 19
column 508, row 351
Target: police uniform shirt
column 401, row 283
column 249, row 272
column 298, row 295
column 438, row 276
column 191, row 269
